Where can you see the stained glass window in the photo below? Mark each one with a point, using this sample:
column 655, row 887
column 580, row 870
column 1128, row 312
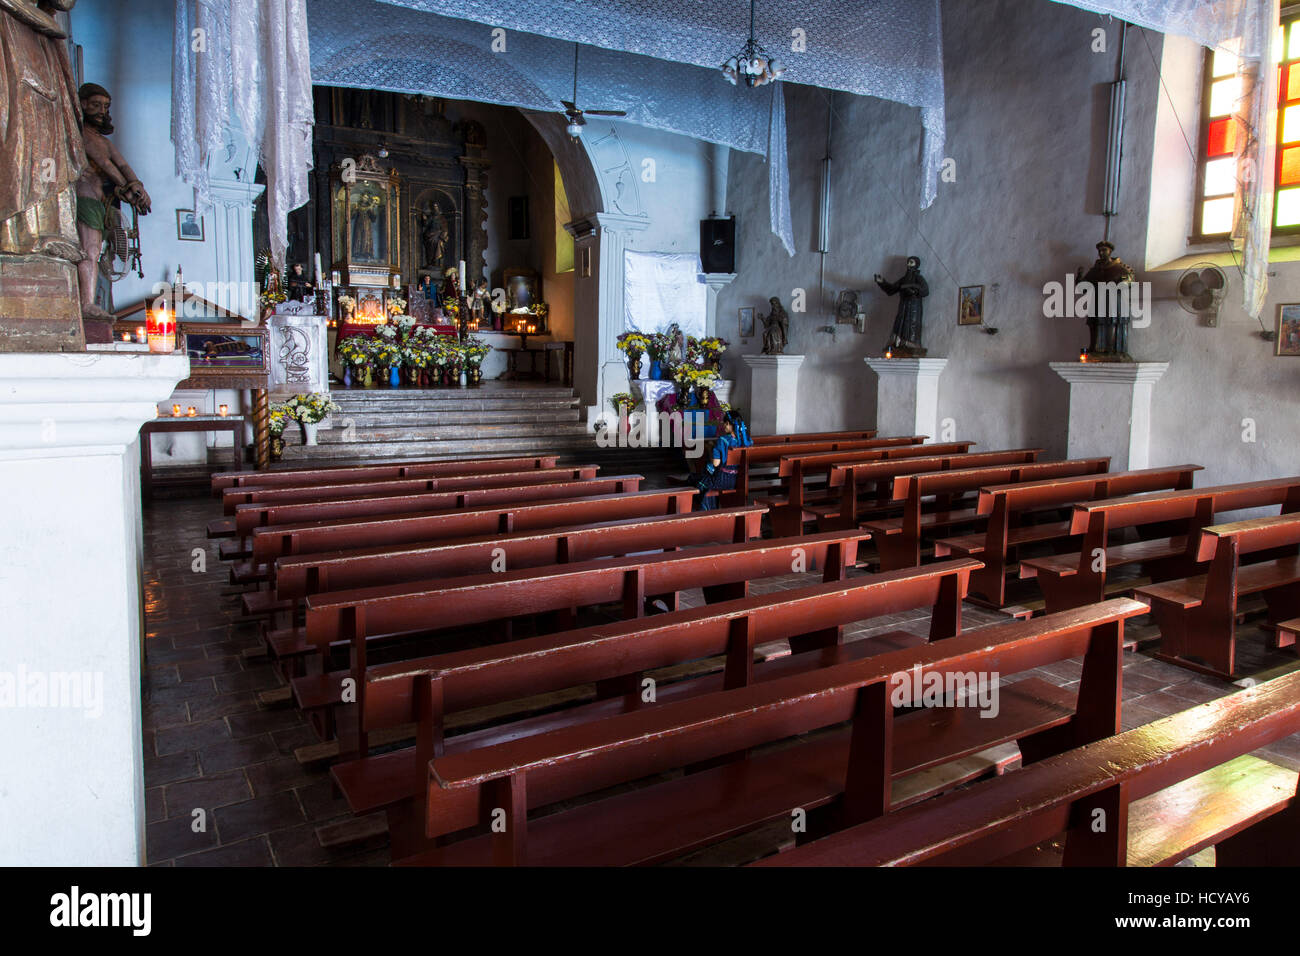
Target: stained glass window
column 1216, row 199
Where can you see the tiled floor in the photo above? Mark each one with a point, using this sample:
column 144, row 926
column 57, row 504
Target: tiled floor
column 223, row 786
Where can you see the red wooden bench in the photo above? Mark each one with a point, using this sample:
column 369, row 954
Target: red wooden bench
column 315, row 537
column 535, row 486
column 619, row 654
column 1008, row 507
column 1197, row 616
column 1167, row 789
column 365, row 616
column 380, row 472
column 798, row 437
column 851, row 771
column 767, row 458
column 849, row 475
column 1068, row 580
column 898, row 540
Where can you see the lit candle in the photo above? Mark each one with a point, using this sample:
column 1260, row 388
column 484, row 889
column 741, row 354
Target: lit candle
column 156, row 413
column 126, row 336
column 191, row 412
column 141, row 336
column 462, row 275
column 224, row 410
column 176, row 411
column 162, row 331
column 1083, row 355
column 889, row 354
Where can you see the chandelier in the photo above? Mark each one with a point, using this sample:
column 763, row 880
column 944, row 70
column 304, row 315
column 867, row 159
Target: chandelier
column 754, row 64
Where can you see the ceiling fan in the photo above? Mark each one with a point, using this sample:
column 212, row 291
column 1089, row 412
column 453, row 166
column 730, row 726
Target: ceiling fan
column 576, row 118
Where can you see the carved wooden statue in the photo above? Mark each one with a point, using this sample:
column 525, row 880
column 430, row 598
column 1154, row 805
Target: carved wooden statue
column 776, row 328
column 1109, row 323
column 911, row 288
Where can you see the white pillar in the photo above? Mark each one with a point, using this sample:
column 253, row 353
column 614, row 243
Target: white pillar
column 773, row 393
column 1110, row 410
column 907, row 395
column 71, row 602
column 232, row 231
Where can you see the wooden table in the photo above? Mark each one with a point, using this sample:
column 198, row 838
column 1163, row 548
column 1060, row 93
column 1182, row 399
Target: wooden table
column 199, row 423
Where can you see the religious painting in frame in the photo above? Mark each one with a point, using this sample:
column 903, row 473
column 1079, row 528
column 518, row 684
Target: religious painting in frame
column 189, row 225
column 970, row 305
column 747, row 322
column 523, row 288
column 1288, row 329
column 846, row 306
column 221, row 349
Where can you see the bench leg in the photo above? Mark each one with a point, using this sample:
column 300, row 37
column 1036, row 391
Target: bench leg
column 787, row 522
column 1283, row 605
column 896, row 552
column 1185, row 635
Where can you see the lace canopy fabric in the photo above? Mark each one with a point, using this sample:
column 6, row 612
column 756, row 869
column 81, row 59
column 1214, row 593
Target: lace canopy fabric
column 1214, row 23
column 244, row 63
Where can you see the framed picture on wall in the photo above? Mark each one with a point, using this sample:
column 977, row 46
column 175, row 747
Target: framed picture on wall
column 846, row 307
column 189, row 225
column 747, row 322
column 1288, row 329
column 970, row 305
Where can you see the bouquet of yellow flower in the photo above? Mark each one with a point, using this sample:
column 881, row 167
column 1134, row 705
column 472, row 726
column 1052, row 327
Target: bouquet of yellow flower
column 633, row 344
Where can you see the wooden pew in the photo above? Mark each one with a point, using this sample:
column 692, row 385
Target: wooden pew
column 791, row 498
column 381, row 472
column 294, row 578
column 798, row 437
column 769, row 456
column 1168, row 789
column 1069, row 580
column 574, row 483
column 898, row 540
column 385, row 530
column 620, row 653
column 849, row 474
column 365, row 616
column 1197, row 616
column 1007, row 506
column 851, row 772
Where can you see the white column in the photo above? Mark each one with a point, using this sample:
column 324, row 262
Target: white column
column 773, row 393
column 71, row 602
column 907, row 395
column 1110, row 410
column 716, row 281
column 232, row 232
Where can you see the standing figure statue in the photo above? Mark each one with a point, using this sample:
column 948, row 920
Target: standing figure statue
column 105, row 169
column 776, row 328
column 911, row 288
column 1109, row 323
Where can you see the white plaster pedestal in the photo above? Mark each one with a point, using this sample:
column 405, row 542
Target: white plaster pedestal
column 71, row 602
column 907, row 395
column 773, row 393
column 1110, row 410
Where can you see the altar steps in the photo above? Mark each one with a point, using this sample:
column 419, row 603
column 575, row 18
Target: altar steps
column 493, row 419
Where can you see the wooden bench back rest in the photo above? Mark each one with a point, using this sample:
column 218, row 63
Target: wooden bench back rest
column 249, row 517
column 743, row 459
column 297, row 577
column 431, row 605
column 1160, row 506
column 914, row 487
column 1057, row 492
column 232, row 498
column 861, row 472
column 542, row 769
column 821, row 461
column 407, row 469
column 811, row 436
column 481, row 676
column 1062, row 793
column 1247, row 537
column 797, row 468
column 315, row 537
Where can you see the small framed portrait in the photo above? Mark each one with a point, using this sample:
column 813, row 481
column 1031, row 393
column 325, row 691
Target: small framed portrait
column 970, row 305
column 223, row 347
column 189, row 225
column 747, row 322
column 1287, row 341
column 846, row 307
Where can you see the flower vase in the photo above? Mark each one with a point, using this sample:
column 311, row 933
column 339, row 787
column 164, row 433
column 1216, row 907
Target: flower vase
column 394, row 377
column 656, row 371
column 702, row 396
column 370, row 378
column 475, row 376
column 309, row 432
column 464, row 381
column 634, row 368
column 347, row 376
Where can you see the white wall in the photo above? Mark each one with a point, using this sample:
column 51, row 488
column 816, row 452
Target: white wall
column 1026, row 106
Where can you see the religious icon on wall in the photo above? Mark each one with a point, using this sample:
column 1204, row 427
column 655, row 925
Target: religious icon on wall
column 970, row 305
column 369, row 225
column 846, row 307
column 189, row 225
column 747, row 322
column 437, row 250
column 522, row 288
column 1288, row 329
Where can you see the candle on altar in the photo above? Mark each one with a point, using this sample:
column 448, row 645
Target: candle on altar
column 126, row 336
column 334, row 277
column 141, row 336
column 224, row 410
column 176, row 411
column 319, row 275
column 191, row 412
column 1083, row 355
column 156, row 413
column 162, row 330
column 462, row 275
